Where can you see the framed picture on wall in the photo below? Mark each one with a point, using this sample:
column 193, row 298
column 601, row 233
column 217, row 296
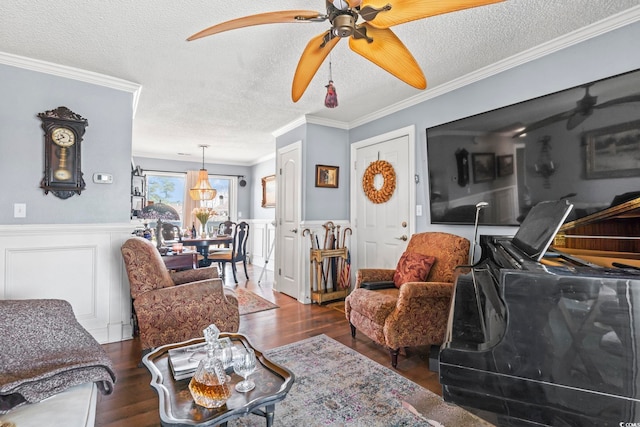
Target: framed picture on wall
column 269, row 191
column 327, row 176
column 505, row 165
column 484, row 167
column 613, row 151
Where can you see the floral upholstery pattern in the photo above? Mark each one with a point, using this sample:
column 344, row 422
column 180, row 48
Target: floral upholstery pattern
column 178, row 306
column 412, row 267
column 416, row 314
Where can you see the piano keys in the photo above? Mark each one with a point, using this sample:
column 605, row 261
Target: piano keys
column 550, row 338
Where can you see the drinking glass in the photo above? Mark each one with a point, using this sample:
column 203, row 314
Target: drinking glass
column 224, row 351
column 244, row 365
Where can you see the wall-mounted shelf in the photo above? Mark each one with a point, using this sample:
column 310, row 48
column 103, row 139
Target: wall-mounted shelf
column 138, row 191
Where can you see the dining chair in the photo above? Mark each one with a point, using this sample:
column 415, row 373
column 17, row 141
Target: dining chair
column 226, row 227
column 234, row 254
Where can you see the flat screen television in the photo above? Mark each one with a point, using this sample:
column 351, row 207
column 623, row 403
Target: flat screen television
column 581, row 144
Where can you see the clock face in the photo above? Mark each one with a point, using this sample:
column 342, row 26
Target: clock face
column 64, row 137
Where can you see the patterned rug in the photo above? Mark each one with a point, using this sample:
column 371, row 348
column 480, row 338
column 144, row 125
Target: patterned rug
column 337, row 386
column 249, row 302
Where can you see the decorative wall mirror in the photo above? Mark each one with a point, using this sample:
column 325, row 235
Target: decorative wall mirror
column 269, row 191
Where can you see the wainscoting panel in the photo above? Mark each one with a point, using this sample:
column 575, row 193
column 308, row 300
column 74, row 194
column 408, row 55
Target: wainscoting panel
column 61, row 272
column 79, row 263
column 261, row 237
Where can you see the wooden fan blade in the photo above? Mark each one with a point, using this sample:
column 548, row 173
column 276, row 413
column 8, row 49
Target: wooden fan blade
column 311, row 59
column 389, row 53
column 285, row 16
column 410, row 10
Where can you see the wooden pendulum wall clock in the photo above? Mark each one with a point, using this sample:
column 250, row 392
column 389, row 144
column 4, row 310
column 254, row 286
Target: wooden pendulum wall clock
column 63, row 132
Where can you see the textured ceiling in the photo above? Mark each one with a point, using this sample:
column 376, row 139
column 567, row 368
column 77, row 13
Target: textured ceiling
column 232, row 91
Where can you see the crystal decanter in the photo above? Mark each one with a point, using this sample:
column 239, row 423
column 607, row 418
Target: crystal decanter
column 210, row 384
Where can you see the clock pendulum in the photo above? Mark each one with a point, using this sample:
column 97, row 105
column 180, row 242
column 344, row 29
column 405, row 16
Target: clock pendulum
column 62, row 173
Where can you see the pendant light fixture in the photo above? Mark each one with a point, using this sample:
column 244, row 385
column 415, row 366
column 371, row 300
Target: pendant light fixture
column 203, row 190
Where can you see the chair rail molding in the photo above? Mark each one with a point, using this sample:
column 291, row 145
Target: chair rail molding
column 79, row 263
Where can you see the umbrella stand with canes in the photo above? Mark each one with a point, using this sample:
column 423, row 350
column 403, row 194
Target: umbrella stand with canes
column 324, row 262
column 159, row 212
column 344, row 281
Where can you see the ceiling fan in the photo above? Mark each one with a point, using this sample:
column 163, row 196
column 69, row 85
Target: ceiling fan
column 585, row 106
column 371, row 39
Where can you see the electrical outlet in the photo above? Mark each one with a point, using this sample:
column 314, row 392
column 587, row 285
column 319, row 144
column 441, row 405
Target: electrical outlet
column 19, row 210
column 418, row 210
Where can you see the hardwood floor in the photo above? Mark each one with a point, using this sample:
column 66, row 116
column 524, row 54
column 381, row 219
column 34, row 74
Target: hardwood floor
column 135, row 403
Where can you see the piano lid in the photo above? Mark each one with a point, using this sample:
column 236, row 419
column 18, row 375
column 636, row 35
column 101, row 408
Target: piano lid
column 540, row 226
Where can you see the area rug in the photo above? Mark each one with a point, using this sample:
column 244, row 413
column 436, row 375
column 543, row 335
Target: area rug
column 337, row 386
column 248, row 302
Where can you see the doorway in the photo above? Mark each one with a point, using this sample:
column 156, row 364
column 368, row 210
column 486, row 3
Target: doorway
column 288, row 212
column 381, row 230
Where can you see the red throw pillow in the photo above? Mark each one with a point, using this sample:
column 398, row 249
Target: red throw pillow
column 412, row 267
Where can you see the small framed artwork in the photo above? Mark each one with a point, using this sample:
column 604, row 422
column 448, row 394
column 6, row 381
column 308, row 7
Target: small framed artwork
column 484, row 167
column 269, row 191
column 505, row 165
column 613, row 152
column 327, row 176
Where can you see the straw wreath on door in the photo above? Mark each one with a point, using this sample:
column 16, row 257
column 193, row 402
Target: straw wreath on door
column 384, row 193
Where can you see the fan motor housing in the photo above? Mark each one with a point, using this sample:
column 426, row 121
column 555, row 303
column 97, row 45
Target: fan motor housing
column 343, row 25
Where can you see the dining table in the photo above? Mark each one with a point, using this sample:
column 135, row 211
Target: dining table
column 202, row 245
column 180, row 261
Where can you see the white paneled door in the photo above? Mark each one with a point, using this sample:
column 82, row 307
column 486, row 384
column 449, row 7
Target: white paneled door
column 382, row 229
column 288, row 210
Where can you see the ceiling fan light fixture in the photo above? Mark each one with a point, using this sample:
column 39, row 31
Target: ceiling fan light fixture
column 203, row 190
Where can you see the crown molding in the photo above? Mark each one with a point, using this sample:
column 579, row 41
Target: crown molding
column 192, row 159
column 313, row 120
column 74, row 74
column 611, row 23
column 262, row 159
column 289, row 127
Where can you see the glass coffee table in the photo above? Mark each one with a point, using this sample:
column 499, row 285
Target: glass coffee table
column 177, row 407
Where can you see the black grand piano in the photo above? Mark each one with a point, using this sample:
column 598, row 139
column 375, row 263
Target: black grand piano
column 545, row 328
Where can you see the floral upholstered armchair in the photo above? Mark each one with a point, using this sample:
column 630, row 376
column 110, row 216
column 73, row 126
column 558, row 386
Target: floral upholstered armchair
column 173, row 307
column 408, row 306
